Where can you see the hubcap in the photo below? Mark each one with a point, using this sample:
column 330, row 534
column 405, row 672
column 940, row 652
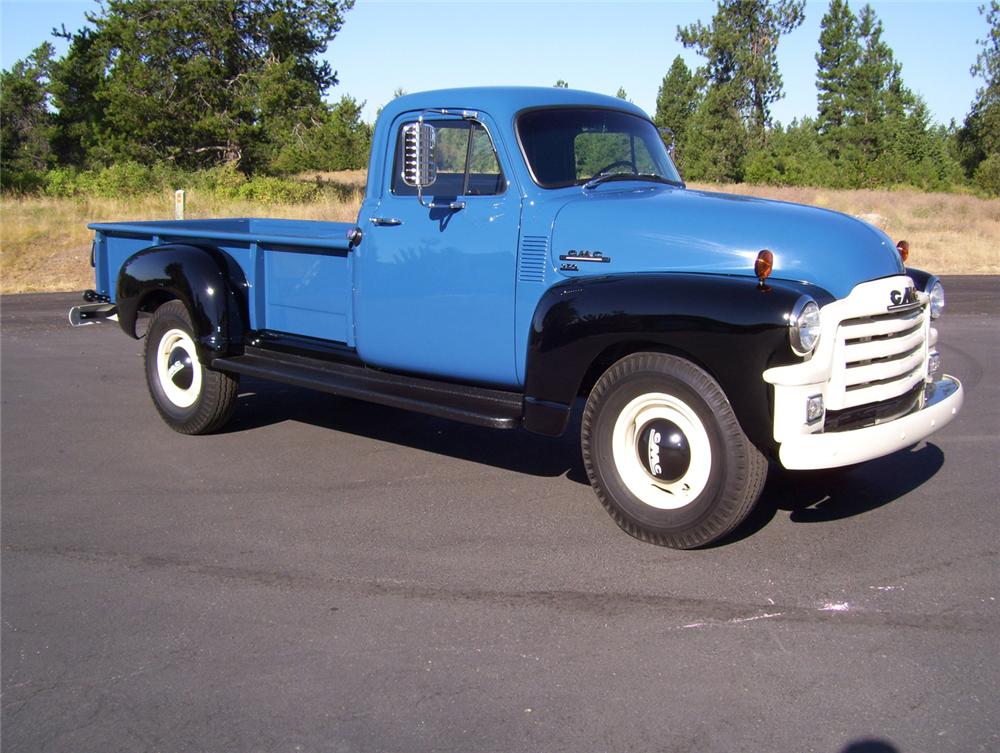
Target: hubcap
column 661, row 451
column 664, row 450
column 178, row 369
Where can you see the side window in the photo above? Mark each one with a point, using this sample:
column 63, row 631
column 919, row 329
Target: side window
column 466, row 162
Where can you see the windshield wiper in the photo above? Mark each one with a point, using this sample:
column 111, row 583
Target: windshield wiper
column 651, row 177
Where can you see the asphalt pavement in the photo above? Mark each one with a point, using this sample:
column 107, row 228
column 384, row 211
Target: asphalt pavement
column 329, row 575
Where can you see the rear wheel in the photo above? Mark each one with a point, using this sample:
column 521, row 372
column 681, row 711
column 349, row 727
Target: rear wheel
column 665, row 453
column 190, row 397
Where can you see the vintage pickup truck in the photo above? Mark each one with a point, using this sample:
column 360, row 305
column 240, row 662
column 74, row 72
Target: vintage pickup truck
column 518, row 248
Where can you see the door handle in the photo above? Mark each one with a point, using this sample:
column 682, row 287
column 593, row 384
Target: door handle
column 385, row 221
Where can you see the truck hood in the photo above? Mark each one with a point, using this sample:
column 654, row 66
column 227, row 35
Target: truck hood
column 665, row 229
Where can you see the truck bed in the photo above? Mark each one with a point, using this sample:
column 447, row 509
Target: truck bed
column 298, row 272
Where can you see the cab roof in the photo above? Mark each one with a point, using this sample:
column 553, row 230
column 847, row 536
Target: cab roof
column 505, row 101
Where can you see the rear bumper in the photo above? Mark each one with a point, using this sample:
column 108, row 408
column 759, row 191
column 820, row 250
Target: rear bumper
column 942, row 401
column 92, row 313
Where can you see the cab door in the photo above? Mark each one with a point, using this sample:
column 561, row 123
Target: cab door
column 435, row 284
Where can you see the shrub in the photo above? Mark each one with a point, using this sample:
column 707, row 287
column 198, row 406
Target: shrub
column 277, row 191
column 987, row 175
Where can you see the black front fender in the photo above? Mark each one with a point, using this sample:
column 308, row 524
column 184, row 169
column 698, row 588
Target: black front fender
column 730, row 326
column 208, row 282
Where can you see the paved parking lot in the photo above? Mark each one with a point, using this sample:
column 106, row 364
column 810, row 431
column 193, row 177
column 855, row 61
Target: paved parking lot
column 330, row 575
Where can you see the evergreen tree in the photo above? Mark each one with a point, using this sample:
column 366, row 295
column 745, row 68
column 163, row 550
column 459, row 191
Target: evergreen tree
column 560, row 84
column 338, row 141
column 876, row 89
column 979, row 138
column 621, row 93
column 195, row 82
column 793, row 156
column 74, row 82
column 837, row 57
column 740, row 49
column 873, row 129
column 25, row 120
column 676, row 102
column 717, row 142
column 877, row 99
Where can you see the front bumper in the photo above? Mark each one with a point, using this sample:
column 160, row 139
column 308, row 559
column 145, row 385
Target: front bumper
column 942, row 401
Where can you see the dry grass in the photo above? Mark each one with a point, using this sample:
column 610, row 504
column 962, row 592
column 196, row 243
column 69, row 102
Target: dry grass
column 951, row 234
column 352, row 178
column 45, row 244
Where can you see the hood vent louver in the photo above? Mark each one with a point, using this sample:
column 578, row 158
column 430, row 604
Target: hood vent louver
column 533, row 258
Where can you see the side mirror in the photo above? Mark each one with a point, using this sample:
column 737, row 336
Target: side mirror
column 669, row 139
column 419, row 169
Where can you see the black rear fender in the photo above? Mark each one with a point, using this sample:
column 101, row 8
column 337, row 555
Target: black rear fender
column 206, row 280
column 730, row 326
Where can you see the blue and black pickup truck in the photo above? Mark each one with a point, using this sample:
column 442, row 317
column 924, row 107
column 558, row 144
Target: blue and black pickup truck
column 519, row 248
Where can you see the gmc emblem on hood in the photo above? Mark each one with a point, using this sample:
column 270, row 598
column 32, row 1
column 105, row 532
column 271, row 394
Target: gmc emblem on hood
column 901, row 299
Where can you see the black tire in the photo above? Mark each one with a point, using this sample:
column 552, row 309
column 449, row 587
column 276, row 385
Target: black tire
column 190, row 397
column 665, row 453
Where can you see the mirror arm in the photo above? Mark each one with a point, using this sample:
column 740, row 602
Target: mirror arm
column 453, row 205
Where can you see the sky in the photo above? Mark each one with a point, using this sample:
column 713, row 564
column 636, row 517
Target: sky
column 594, row 45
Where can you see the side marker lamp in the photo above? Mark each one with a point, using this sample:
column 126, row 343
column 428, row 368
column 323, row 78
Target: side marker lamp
column 763, row 266
column 904, row 250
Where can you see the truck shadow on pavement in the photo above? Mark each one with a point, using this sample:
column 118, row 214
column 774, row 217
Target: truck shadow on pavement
column 808, row 496
column 262, row 403
column 838, row 493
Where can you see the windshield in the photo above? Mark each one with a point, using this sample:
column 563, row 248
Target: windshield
column 571, row 146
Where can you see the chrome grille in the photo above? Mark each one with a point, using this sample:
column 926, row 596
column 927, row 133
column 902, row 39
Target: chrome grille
column 878, row 357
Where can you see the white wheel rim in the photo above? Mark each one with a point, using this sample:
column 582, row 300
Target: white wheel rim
column 175, row 354
column 625, row 440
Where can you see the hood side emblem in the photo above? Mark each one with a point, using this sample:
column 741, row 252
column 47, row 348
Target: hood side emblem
column 589, row 256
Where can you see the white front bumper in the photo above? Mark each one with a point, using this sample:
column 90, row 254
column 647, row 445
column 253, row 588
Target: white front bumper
column 838, row 448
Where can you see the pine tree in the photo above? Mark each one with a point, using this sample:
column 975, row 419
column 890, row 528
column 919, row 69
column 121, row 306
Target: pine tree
column 875, row 89
column 717, row 142
column 740, row 49
column 837, row 57
column 26, row 127
column 677, row 100
column 979, row 138
column 195, row 82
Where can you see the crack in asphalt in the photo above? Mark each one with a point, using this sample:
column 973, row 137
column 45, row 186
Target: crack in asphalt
column 689, row 612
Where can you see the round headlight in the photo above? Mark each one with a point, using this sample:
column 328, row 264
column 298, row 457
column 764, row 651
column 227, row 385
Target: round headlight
column 936, row 292
column 804, row 325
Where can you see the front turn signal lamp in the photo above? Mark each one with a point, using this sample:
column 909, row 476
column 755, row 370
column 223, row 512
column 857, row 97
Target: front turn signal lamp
column 804, row 326
column 903, row 247
column 764, row 265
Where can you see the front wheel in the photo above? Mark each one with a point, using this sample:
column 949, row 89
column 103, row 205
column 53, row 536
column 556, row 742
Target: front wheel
column 189, row 396
column 666, row 454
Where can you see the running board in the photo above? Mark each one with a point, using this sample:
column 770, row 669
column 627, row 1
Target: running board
column 497, row 409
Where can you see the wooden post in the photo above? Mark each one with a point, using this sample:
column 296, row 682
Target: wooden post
column 179, row 204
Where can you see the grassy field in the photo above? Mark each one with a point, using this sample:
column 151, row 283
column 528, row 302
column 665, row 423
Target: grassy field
column 45, row 245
